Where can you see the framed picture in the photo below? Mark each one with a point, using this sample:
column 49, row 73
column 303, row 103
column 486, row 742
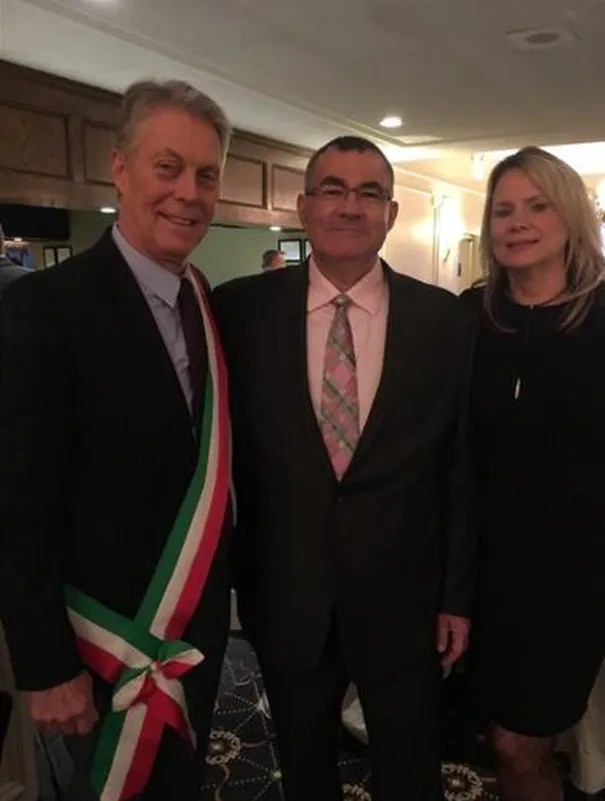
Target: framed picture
column 55, row 254
column 64, row 252
column 50, row 256
column 292, row 250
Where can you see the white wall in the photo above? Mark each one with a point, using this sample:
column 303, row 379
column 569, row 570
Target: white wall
column 458, row 213
column 409, row 246
column 433, row 218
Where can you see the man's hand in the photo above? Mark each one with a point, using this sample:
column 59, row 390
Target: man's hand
column 66, row 709
column 452, row 637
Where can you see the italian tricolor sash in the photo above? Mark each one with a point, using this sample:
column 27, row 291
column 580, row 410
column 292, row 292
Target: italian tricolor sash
column 144, row 658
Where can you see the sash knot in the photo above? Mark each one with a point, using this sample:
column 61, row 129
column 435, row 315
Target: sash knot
column 160, row 672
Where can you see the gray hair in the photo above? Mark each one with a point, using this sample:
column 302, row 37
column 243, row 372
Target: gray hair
column 268, row 256
column 141, row 98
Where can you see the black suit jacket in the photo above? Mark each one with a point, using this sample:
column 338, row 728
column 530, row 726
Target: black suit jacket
column 392, row 544
column 9, row 273
column 96, row 453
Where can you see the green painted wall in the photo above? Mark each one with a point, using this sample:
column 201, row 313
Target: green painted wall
column 227, row 253
column 224, row 253
column 87, row 227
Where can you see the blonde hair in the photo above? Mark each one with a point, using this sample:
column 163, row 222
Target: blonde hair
column 141, row 98
column 584, row 263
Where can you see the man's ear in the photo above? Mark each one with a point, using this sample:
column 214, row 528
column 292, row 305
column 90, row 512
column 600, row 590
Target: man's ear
column 118, row 168
column 393, row 212
column 301, row 207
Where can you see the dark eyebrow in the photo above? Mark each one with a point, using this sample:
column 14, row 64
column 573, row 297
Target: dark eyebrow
column 372, row 185
column 527, row 200
column 333, row 180
column 210, row 168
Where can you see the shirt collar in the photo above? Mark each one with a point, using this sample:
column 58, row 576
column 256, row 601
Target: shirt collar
column 367, row 294
column 156, row 279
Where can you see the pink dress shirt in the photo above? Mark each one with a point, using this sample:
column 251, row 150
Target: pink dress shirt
column 368, row 318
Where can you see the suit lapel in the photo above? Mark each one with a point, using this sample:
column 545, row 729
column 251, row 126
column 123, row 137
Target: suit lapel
column 398, row 350
column 292, row 320
column 134, row 316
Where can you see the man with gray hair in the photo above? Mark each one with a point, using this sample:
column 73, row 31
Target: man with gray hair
column 115, row 462
column 273, row 260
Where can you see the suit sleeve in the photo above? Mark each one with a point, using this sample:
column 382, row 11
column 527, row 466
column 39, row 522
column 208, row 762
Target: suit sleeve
column 36, row 419
column 459, row 511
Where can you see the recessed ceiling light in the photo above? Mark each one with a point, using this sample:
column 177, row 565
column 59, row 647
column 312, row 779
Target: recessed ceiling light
column 392, row 121
column 541, row 38
column 275, row 228
column 107, row 210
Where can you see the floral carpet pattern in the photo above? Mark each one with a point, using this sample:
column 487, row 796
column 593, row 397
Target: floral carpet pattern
column 242, row 757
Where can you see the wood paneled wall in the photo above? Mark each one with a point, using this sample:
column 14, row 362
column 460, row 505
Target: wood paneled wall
column 56, row 137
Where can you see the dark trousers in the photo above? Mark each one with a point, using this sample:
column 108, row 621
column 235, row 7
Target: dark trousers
column 177, row 771
column 401, row 716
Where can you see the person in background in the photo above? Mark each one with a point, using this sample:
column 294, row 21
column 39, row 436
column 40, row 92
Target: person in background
column 537, row 401
column 114, row 457
column 354, row 545
column 9, row 271
column 273, row 260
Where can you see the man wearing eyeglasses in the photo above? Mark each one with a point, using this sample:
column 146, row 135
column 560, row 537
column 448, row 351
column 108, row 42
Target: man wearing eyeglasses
column 354, row 551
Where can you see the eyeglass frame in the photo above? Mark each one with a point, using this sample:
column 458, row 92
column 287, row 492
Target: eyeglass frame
column 336, row 183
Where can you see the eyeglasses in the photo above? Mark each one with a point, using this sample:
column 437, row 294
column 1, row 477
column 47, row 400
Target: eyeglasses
column 367, row 196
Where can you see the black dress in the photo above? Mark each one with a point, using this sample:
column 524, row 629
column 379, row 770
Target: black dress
column 538, row 408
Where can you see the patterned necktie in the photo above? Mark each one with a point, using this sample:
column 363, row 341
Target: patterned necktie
column 339, row 417
column 195, row 341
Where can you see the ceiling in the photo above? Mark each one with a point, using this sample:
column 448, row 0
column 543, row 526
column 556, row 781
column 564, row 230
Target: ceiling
column 306, row 70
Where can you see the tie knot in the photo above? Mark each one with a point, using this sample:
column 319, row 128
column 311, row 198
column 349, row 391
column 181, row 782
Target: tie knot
column 186, row 299
column 185, row 286
column 342, row 302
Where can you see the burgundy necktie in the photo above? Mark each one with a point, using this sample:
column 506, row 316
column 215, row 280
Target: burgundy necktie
column 195, row 340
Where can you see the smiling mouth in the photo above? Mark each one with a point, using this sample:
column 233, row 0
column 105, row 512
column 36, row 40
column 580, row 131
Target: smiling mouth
column 521, row 245
column 184, row 222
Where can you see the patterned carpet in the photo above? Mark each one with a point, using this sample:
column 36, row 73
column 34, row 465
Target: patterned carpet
column 242, row 758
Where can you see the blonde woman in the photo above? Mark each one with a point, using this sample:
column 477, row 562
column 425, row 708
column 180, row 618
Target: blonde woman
column 538, row 407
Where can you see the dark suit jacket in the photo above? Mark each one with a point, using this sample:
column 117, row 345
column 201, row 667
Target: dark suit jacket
column 389, row 546
column 96, row 453
column 9, row 273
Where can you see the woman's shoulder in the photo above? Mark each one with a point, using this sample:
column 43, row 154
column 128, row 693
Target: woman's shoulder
column 599, row 298
column 472, row 297
column 596, row 313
